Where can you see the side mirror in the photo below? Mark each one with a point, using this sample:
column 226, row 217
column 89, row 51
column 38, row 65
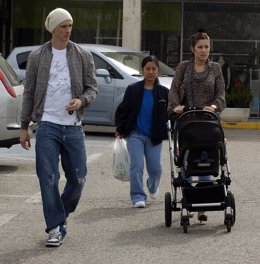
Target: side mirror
column 105, row 74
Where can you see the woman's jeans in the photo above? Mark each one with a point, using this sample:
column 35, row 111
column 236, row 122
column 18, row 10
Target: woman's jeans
column 140, row 146
column 54, row 141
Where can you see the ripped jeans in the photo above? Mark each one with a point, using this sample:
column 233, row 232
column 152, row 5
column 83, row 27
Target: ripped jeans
column 55, row 142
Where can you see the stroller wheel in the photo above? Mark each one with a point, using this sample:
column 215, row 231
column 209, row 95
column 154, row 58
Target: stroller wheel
column 232, row 204
column 229, row 224
column 168, row 209
column 185, row 226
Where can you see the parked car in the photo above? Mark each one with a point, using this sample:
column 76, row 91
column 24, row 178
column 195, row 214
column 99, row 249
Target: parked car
column 116, row 68
column 11, row 95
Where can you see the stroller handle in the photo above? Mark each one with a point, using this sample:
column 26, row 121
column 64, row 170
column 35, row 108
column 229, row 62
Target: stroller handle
column 174, row 115
column 189, row 108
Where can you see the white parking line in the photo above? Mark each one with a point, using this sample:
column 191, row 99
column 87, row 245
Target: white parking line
column 14, row 196
column 12, row 157
column 92, row 157
column 5, row 218
column 35, row 199
column 18, row 175
column 31, row 199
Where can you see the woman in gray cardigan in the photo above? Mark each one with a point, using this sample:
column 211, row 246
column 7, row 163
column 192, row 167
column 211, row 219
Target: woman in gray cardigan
column 198, row 83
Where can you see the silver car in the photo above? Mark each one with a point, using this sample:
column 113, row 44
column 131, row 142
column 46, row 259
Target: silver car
column 11, row 95
column 116, row 68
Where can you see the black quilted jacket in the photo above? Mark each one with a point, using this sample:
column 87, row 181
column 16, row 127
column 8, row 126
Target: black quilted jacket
column 128, row 110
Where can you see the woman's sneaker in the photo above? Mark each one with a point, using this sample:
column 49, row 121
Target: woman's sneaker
column 155, row 195
column 140, row 204
column 202, row 217
column 190, row 214
column 55, row 238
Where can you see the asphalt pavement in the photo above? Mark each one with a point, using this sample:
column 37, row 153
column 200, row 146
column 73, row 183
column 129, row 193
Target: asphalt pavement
column 106, row 229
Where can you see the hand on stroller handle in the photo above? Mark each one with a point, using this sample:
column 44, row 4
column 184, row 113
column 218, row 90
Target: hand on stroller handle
column 177, row 111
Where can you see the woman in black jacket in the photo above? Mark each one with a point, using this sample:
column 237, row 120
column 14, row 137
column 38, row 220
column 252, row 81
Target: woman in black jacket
column 142, row 118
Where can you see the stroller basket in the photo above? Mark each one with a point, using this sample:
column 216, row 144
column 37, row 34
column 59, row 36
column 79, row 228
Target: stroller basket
column 213, row 196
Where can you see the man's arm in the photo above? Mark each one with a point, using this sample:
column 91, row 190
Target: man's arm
column 89, row 81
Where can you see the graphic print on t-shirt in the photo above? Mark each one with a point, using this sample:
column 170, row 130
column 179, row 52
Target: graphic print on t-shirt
column 58, row 91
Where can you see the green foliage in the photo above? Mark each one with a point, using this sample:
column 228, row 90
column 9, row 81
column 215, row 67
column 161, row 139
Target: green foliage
column 240, row 96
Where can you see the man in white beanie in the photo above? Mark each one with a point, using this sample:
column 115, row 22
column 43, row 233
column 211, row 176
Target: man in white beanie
column 56, row 17
column 60, row 83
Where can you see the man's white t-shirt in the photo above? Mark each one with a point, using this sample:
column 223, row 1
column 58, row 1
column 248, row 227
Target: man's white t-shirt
column 59, row 91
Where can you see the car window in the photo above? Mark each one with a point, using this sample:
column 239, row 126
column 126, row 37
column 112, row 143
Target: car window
column 134, row 60
column 99, row 63
column 22, row 59
column 130, row 70
column 9, row 72
column 102, row 64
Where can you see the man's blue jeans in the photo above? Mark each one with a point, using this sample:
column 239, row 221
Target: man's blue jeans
column 55, row 142
column 140, row 147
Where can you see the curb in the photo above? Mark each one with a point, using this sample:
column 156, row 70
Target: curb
column 247, row 125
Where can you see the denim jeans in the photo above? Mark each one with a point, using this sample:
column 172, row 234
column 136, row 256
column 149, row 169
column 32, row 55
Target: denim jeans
column 54, row 143
column 140, row 147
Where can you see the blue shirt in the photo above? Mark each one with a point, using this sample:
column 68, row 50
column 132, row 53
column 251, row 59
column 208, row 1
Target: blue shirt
column 144, row 119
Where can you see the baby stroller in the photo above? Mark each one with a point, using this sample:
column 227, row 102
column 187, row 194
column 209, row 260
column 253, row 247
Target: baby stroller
column 198, row 149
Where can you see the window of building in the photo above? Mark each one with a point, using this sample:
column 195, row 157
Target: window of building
column 94, row 21
column 161, row 30
column 234, row 37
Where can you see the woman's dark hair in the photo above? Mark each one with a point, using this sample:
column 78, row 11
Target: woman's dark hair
column 148, row 59
column 198, row 36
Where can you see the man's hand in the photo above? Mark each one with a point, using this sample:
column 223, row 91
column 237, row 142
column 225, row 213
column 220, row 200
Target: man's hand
column 25, row 139
column 75, row 104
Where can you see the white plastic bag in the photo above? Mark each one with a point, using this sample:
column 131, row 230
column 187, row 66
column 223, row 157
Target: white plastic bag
column 121, row 161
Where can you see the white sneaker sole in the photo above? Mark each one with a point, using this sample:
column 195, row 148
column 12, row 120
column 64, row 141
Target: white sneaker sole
column 50, row 244
column 140, row 204
column 54, row 244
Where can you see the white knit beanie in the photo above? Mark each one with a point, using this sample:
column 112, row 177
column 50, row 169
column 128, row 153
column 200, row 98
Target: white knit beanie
column 56, row 17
